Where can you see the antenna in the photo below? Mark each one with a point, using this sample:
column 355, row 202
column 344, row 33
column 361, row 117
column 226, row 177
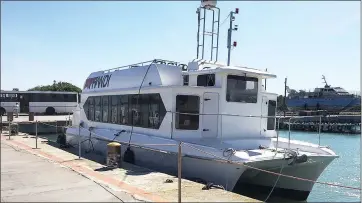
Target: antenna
column 230, row 30
column 207, row 6
column 325, row 81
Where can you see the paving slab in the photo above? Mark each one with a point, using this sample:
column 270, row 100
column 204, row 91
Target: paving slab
column 27, row 177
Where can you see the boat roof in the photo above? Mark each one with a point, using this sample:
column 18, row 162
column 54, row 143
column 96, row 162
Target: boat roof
column 205, row 67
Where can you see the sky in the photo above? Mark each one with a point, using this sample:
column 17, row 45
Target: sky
column 66, row 41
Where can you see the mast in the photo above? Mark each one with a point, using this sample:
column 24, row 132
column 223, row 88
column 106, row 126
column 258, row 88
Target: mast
column 230, row 30
column 325, row 81
column 208, row 6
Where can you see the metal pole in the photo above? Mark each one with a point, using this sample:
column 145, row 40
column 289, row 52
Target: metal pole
column 171, row 124
column 10, row 124
column 218, row 29
column 319, row 131
column 198, row 31
column 79, row 144
column 36, row 134
column 1, row 124
column 285, row 95
column 278, row 134
column 229, row 36
column 265, row 78
column 212, row 33
column 289, row 133
column 221, row 128
column 179, row 172
column 56, row 127
column 203, row 34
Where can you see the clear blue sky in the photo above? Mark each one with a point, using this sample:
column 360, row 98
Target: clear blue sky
column 66, row 41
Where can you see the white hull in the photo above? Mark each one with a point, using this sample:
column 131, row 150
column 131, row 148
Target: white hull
column 195, row 164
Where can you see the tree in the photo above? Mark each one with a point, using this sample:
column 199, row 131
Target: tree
column 60, row 86
column 302, row 93
column 293, row 92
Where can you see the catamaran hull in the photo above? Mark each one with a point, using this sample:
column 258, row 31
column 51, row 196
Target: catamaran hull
column 233, row 177
column 289, row 188
column 211, row 171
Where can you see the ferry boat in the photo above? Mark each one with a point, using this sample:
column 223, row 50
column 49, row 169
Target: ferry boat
column 326, row 98
column 220, row 113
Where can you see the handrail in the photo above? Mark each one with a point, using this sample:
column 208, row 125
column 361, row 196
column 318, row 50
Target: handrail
column 141, row 64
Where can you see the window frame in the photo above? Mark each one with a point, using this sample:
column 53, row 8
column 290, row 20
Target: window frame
column 271, row 121
column 177, row 115
column 205, row 78
column 253, row 79
column 120, row 101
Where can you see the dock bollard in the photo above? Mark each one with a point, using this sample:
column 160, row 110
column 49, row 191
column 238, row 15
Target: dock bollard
column 179, row 172
column 31, row 116
column 36, row 134
column 114, row 155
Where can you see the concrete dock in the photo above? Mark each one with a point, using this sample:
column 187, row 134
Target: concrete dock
column 27, row 177
column 58, row 175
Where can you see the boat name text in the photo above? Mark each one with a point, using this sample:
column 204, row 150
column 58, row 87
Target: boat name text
column 97, row 82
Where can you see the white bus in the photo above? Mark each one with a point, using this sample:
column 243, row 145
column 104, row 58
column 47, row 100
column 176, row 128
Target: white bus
column 43, row 102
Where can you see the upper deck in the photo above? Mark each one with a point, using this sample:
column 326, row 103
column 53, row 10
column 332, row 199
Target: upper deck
column 158, row 73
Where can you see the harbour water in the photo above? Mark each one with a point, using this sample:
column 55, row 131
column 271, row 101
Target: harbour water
column 345, row 170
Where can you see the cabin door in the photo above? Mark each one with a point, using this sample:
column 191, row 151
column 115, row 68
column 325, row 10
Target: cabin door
column 210, row 122
column 264, row 113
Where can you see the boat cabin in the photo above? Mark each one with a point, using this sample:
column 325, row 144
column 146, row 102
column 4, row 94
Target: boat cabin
column 203, row 99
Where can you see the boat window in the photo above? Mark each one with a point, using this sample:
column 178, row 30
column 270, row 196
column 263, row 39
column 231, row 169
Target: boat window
column 86, row 108
column 156, row 111
column 187, row 104
column 97, row 109
column 114, row 109
column 123, row 110
column 135, row 110
column 271, row 112
column 242, row 89
column 91, row 108
column 144, row 103
column 144, row 110
column 186, row 80
column 105, row 109
column 206, row 80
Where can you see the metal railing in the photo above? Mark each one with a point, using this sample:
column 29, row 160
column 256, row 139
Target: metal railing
column 143, row 64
